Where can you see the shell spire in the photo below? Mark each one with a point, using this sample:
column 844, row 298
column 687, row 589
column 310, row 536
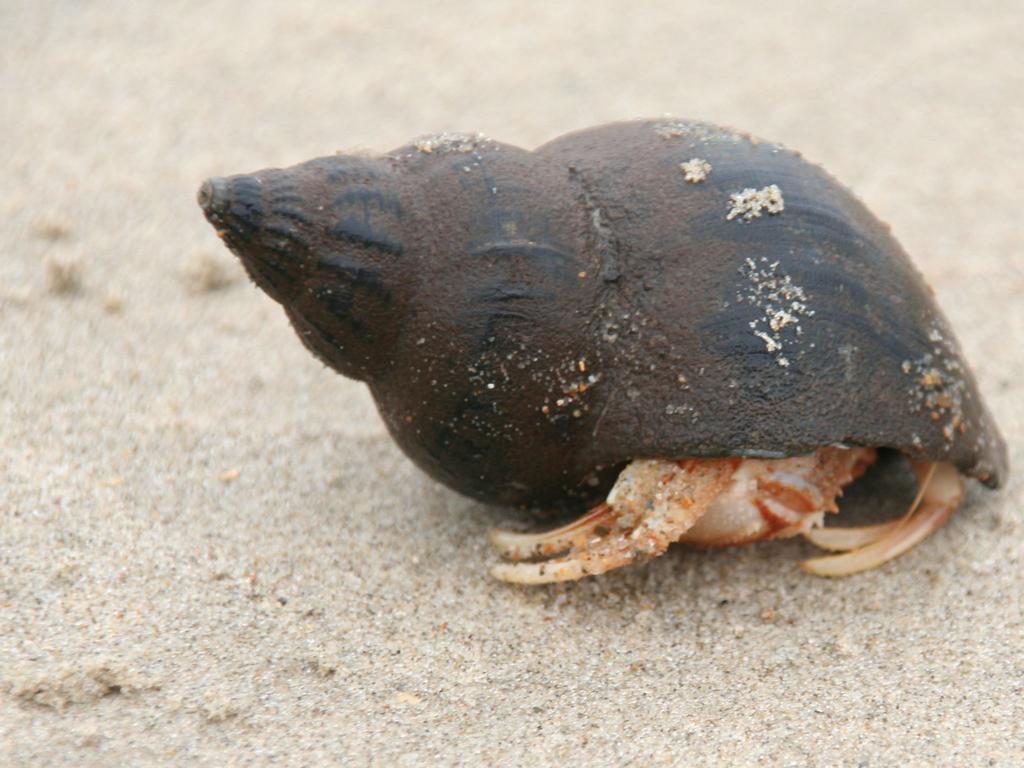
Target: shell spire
column 319, row 238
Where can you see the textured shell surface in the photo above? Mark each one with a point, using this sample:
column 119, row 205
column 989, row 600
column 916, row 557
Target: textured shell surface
column 528, row 322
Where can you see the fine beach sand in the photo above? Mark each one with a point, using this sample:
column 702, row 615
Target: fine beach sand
column 212, row 554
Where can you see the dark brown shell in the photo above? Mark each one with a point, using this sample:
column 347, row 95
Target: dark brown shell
column 530, row 321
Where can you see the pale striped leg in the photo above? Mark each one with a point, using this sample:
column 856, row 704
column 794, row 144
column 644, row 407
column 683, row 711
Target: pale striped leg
column 652, row 505
column 528, row 546
column 941, row 490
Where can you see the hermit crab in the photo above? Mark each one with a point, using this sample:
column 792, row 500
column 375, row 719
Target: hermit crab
column 700, row 335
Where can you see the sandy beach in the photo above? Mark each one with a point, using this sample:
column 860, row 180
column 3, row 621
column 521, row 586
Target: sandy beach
column 211, row 552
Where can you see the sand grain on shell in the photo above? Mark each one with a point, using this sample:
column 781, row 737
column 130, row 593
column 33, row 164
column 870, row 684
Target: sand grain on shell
column 449, row 142
column 750, row 203
column 695, row 170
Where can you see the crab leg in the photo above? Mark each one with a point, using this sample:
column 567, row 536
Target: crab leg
column 847, row 539
column 603, row 555
column 526, row 546
column 940, row 494
column 638, row 529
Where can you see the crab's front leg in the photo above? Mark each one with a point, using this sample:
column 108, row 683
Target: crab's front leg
column 652, row 505
column 529, row 546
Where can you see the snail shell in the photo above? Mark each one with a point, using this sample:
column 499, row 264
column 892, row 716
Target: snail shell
column 528, row 322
